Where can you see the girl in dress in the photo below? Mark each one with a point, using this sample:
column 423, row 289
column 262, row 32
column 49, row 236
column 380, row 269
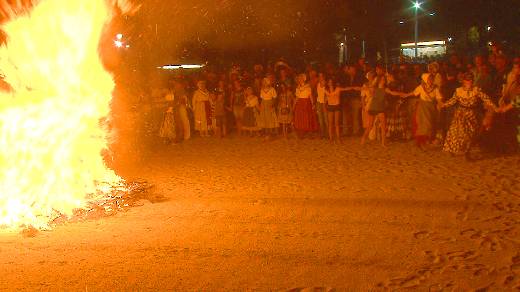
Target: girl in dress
column 304, row 115
column 397, row 113
column 377, row 108
column 373, row 96
column 464, row 126
column 167, row 130
column 285, row 108
column 267, row 118
column 202, row 109
column 249, row 121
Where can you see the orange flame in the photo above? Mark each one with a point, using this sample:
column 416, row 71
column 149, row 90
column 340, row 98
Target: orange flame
column 51, row 137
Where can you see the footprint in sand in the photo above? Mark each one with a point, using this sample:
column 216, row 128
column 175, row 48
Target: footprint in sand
column 479, row 272
column 490, row 243
column 508, row 280
column 434, row 257
column 421, row 234
column 475, row 235
column 312, row 289
column 410, row 282
column 515, row 265
column 462, row 255
column 462, row 215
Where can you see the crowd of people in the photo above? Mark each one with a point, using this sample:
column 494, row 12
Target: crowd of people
column 451, row 104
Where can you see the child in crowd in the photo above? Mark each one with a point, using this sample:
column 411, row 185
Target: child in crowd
column 285, row 108
column 167, row 130
column 219, row 114
column 250, row 116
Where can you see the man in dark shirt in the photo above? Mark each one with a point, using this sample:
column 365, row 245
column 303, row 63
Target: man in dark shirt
column 351, row 100
column 448, row 90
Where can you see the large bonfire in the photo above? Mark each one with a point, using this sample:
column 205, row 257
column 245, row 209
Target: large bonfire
column 53, row 117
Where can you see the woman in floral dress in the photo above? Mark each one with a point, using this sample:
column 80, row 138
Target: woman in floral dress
column 167, row 130
column 397, row 112
column 465, row 123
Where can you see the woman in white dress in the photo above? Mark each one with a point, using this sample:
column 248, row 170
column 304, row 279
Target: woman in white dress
column 202, row 109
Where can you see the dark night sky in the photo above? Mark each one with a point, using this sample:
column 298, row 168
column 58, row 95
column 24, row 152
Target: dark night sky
column 283, row 27
column 165, row 30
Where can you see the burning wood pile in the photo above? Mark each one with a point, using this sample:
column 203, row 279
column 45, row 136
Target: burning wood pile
column 55, row 117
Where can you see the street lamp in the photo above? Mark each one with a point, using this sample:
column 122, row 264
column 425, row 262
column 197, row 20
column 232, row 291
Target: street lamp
column 416, row 5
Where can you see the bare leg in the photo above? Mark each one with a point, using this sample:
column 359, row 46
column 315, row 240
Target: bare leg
column 337, row 116
column 368, row 129
column 382, row 118
column 239, row 127
column 330, row 116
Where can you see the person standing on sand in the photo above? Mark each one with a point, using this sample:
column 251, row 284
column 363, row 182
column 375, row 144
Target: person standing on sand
column 202, row 109
column 464, row 127
column 426, row 112
column 249, row 122
column 321, row 109
column 267, row 118
column 167, row 130
column 285, row 108
column 304, row 115
column 181, row 101
column 333, row 100
column 373, row 94
column 237, row 104
column 351, row 117
column 220, row 114
column 397, row 119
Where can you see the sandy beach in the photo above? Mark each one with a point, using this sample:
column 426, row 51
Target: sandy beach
column 240, row 214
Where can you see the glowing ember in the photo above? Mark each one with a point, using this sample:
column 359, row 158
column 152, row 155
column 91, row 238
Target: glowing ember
column 51, row 134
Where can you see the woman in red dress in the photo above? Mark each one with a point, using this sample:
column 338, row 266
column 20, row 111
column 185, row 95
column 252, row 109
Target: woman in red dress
column 304, row 114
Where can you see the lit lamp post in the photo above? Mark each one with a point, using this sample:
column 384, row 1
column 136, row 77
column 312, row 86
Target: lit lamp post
column 345, row 46
column 416, row 5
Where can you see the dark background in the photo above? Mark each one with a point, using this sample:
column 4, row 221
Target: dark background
column 311, row 30
column 223, row 31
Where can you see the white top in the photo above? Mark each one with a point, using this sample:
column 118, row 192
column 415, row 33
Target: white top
column 268, row 94
column 366, row 94
column 430, row 96
column 321, row 93
column 303, row 91
column 333, row 97
column 169, row 96
column 200, row 96
column 252, row 101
